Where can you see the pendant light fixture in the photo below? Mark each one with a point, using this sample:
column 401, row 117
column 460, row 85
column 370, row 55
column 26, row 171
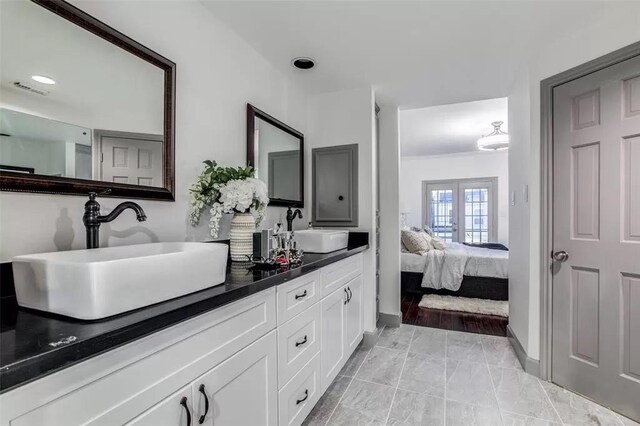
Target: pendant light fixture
column 496, row 140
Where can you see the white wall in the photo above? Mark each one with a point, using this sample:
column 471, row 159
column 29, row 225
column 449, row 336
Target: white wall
column 46, row 158
column 414, row 170
column 389, row 211
column 519, row 299
column 217, row 74
column 616, row 29
column 342, row 118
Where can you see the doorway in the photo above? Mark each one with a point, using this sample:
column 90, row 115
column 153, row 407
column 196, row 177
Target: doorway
column 454, row 197
column 591, row 235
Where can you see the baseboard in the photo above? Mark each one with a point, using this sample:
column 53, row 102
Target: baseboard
column 530, row 365
column 370, row 338
column 389, row 320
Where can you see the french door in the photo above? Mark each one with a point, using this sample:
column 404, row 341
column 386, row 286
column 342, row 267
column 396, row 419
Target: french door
column 461, row 210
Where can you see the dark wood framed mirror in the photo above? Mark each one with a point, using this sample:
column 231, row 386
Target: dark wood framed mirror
column 83, row 107
column 276, row 152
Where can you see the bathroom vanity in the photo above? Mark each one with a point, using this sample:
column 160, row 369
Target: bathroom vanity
column 259, row 350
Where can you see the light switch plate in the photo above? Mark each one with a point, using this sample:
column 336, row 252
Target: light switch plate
column 525, row 193
column 513, row 198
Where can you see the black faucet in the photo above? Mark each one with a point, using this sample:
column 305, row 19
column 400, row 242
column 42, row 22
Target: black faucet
column 92, row 218
column 292, row 215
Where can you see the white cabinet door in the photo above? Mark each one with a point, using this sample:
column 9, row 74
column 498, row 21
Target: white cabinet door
column 333, row 349
column 176, row 410
column 243, row 390
column 353, row 315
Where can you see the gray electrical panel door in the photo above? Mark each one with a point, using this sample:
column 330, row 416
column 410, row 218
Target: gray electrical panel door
column 335, row 185
column 284, row 175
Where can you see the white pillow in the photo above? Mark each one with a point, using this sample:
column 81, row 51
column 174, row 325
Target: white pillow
column 437, row 243
column 416, row 242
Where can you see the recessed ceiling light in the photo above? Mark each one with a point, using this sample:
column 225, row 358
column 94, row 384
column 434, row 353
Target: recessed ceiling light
column 303, row 63
column 42, row 79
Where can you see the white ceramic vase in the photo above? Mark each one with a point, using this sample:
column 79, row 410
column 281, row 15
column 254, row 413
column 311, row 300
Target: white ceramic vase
column 243, row 225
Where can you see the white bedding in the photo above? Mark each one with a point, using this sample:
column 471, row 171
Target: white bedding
column 445, row 268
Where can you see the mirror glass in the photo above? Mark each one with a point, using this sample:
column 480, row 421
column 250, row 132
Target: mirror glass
column 74, row 105
column 278, row 161
column 276, row 151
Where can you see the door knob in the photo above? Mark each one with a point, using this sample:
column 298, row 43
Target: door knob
column 561, row 256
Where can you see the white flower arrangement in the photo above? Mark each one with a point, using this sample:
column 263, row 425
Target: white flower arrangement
column 227, row 190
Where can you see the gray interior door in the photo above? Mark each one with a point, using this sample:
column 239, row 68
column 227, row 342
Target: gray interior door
column 596, row 237
column 335, row 186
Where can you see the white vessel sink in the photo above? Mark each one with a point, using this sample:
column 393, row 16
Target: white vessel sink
column 321, row 240
column 94, row 284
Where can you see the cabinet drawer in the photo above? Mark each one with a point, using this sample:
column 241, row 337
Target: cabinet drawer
column 298, row 397
column 336, row 275
column 298, row 342
column 164, row 363
column 297, row 295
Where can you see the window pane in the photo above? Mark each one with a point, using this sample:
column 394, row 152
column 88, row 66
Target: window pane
column 441, row 209
column 474, row 209
column 476, row 214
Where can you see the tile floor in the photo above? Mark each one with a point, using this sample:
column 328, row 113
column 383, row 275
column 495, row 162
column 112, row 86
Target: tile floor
column 427, row 376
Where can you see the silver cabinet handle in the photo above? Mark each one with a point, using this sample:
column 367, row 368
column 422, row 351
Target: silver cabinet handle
column 560, row 256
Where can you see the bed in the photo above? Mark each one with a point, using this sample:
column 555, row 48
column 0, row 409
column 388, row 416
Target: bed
column 459, row 270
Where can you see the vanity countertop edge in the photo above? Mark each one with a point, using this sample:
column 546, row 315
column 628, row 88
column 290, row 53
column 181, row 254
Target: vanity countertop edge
column 35, row 344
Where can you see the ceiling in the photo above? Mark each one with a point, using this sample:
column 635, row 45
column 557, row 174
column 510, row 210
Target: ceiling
column 415, row 53
column 448, row 129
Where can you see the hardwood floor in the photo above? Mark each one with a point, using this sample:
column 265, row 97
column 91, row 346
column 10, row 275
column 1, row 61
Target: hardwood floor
column 449, row 320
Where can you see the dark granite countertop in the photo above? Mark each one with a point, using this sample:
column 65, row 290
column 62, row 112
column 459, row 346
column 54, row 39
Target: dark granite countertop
column 30, row 345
